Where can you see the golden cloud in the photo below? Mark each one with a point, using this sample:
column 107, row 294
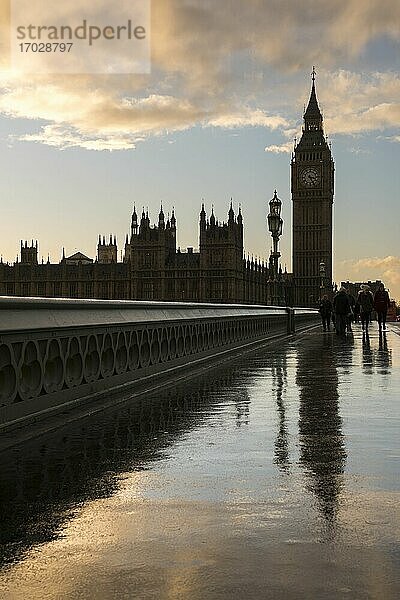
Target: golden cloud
column 386, row 268
column 198, row 78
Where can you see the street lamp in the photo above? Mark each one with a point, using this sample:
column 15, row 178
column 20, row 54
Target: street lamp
column 322, row 273
column 275, row 226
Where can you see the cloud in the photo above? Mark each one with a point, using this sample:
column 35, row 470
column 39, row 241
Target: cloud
column 355, row 150
column 377, row 263
column 385, row 268
column 222, row 68
column 285, row 148
column 248, row 118
column 362, row 103
column 64, row 137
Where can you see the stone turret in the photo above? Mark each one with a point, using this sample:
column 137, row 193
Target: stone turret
column 29, row 254
column 107, row 252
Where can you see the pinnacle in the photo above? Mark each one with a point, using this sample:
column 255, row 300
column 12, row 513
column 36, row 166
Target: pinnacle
column 312, row 109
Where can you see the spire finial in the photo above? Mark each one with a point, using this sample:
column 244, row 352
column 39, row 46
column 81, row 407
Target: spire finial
column 312, row 114
column 313, row 74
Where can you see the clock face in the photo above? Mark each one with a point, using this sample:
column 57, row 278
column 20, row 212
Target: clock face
column 310, row 177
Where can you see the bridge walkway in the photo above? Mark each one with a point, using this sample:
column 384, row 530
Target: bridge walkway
column 274, row 476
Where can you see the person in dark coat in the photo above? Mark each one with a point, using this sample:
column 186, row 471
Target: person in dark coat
column 350, row 318
column 381, row 305
column 356, row 312
column 325, row 310
column 342, row 309
column 365, row 300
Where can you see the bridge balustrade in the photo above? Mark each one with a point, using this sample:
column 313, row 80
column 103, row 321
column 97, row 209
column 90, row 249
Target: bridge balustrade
column 56, row 352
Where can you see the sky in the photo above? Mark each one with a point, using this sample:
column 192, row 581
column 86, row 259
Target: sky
column 214, row 120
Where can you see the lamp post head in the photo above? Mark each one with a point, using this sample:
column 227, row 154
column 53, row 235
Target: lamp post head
column 275, row 222
column 322, row 268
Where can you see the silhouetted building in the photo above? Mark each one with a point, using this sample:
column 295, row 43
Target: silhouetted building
column 153, row 268
column 312, row 195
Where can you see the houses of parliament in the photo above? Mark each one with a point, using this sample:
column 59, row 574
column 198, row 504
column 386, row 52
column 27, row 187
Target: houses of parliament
column 153, row 268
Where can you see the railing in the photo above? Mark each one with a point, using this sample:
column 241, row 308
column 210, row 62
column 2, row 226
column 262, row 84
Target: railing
column 54, row 352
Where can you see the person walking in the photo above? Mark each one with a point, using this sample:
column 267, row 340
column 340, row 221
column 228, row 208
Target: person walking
column 381, row 305
column 341, row 308
column 350, row 318
column 325, row 310
column 356, row 312
column 365, row 301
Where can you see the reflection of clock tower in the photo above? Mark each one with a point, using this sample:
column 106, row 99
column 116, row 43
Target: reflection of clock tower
column 312, row 195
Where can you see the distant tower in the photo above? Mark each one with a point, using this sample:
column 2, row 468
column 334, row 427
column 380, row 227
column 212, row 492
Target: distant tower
column 161, row 219
column 134, row 223
column 107, row 252
column 202, row 218
column 312, row 194
column 29, row 254
column 149, row 251
column 221, row 257
column 173, row 224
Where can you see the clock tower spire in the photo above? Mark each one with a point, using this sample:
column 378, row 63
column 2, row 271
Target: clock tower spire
column 312, row 174
column 313, row 115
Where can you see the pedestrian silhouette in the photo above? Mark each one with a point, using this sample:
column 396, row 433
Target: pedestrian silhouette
column 350, row 317
column 365, row 300
column 342, row 310
column 325, row 310
column 381, row 305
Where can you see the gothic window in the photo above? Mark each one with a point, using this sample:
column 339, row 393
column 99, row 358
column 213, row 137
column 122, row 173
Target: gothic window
column 217, row 290
column 148, row 290
column 41, row 288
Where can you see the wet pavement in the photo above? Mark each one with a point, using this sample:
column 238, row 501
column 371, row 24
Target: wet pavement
column 276, row 476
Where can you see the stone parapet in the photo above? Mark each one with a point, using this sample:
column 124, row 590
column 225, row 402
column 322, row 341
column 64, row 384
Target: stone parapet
column 55, row 353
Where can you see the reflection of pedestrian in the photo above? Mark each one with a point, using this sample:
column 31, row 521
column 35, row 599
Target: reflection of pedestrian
column 325, row 310
column 352, row 308
column 384, row 354
column 365, row 300
column 367, row 357
column 381, row 305
column 341, row 307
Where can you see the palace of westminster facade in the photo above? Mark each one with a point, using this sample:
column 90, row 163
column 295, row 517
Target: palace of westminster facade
column 153, row 268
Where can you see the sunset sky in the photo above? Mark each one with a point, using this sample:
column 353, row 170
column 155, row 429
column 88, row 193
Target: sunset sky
column 215, row 119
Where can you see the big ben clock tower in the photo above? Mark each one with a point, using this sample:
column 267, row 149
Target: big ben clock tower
column 312, row 194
